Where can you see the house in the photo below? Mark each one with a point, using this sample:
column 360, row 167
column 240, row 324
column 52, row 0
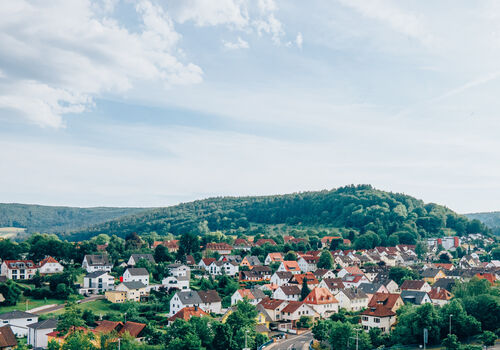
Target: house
column 229, row 268
column 263, row 241
column 272, row 307
column 242, row 244
column 445, row 283
column 18, row 269
column 391, row 286
column 273, row 257
column 172, row 245
column 352, row 299
column 133, row 274
column 319, row 273
column 250, row 261
column 308, row 263
column 287, row 293
column 253, row 295
column 264, row 272
column 353, row 281
column 372, row 288
column 249, row 276
column 233, row 258
column 221, row 248
column 190, row 261
column 37, row 332
column 97, row 282
column 415, row 297
column 176, row 282
column 209, row 301
column 418, row 285
column 49, row 266
column 332, row 284
column 447, row 267
column 8, row 340
column 432, row 275
column 326, row 241
column 134, row 291
column 298, row 280
column 295, row 310
column 134, row 329
column 391, row 301
column 440, row 296
column 349, row 270
column 205, row 263
column 290, row 266
column 186, row 314
column 179, row 270
column 378, row 316
column 99, row 262
column 490, row 277
column 18, row 321
column 280, row 278
column 322, row 301
column 135, row 258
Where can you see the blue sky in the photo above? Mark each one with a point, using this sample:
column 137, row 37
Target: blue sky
column 149, row 103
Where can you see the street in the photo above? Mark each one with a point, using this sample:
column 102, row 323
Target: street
column 297, row 342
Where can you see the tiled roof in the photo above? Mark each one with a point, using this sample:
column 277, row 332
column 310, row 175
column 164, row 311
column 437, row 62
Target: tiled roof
column 209, row 296
column 290, row 290
column 7, row 337
column 97, row 260
column 439, row 294
column 386, row 299
column 292, row 306
column 263, row 241
column 271, row 304
column 218, row 246
column 19, row 264
column 50, row 323
column 138, row 271
column 14, row 315
column 412, row 285
column 291, row 265
column 133, row 328
column 48, row 260
column 378, row 311
column 188, row 312
column 319, row 296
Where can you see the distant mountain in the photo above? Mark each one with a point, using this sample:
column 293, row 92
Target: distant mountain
column 49, row 219
column 393, row 217
column 490, row 219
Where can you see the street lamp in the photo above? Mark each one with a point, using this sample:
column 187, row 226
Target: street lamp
column 449, row 333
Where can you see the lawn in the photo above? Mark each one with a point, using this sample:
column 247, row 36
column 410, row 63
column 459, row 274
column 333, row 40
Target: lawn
column 99, row 307
column 32, row 303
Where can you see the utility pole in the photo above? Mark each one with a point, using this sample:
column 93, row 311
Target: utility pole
column 119, row 343
column 449, row 333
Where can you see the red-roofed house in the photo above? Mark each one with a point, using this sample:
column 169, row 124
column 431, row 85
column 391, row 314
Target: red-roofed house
column 290, row 266
column 391, row 301
column 263, row 241
column 327, row 241
column 378, row 316
column 18, row 269
column 322, row 301
column 221, row 248
column 186, row 314
column 205, row 263
column 273, row 257
column 49, row 265
column 440, row 296
column 486, row 276
column 295, row 310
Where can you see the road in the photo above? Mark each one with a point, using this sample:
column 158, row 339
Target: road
column 61, row 306
column 297, row 342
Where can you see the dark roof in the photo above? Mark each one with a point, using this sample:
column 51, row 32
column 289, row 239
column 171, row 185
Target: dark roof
column 189, row 297
column 12, row 315
column 284, row 274
column 429, row 272
column 95, row 274
column 352, row 293
column 413, row 296
column 378, row 311
column 134, row 285
column 148, row 257
column 412, row 285
column 209, row 296
column 7, row 337
column 50, row 323
column 370, row 288
column 138, row 271
column 97, row 260
column 290, row 290
column 445, row 283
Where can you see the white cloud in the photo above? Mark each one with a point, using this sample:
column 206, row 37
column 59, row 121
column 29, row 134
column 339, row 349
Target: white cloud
column 63, row 53
column 211, row 13
column 299, row 40
column 238, row 44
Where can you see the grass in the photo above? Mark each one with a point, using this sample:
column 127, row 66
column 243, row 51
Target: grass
column 98, row 307
column 32, row 303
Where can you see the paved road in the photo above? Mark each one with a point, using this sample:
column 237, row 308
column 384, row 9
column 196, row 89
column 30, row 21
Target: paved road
column 297, row 342
column 61, row 306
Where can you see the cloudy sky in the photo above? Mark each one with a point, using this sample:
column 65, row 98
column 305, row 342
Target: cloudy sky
column 149, row 103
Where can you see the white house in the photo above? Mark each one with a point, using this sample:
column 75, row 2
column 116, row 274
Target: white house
column 135, row 258
column 37, row 332
column 253, row 295
column 280, row 278
column 352, row 299
column 354, row 280
column 179, row 282
column 229, row 268
column 18, row 321
column 18, row 269
column 287, row 293
column 49, row 266
column 322, row 301
column 307, row 263
column 208, row 301
column 93, row 263
column 97, row 282
column 290, row 266
column 378, row 317
column 205, row 263
column 177, row 270
column 295, row 310
column 134, row 274
column 273, row 257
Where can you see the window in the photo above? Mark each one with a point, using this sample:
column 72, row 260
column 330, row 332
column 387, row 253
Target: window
column 377, row 320
column 5, row 321
column 365, row 318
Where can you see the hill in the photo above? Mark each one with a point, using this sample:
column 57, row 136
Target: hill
column 352, row 210
column 49, row 219
column 490, row 219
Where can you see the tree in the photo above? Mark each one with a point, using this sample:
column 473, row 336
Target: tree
column 399, row 274
column 290, row 256
column 325, row 260
column 495, row 253
column 9, row 250
column 451, row 342
column 488, row 338
column 321, row 330
column 71, row 319
column 444, row 258
column 79, row 341
column 305, row 322
column 412, row 320
column 222, row 336
column 11, row 292
column 463, row 325
column 305, row 289
column 188, row 244
column 343, row 336
column 161, row 254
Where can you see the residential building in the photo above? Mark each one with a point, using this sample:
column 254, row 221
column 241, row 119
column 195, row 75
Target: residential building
column 18, row 321
column 242, row 244
column 250, row 261
column 97, row 282
column 295, row 310
column 229, row 268
column 264, row 272
column 221, row 248
column 49, row 266
column 272, row 307
column 18, row 269
column 378, row 316
column 99, row 262
column 37, row 332
column 287, row 293
column 432, row 275
column 332, row 284
column 136, row 274
column 280, row 278
column 389, row 300
column 273, row 257
column 417, row 285
column 205, row 263
column 440, row 296
column 353, row 281
column 135, row 291
column 290, row 266
column 263, row 241
column 298, row 280
column 415, row 297
column 352, row 299
column 322, row 301
column 173, row 282
column 135, row 258
column 253, row 295
column 209, row 301
column 186, row 314
column 8, row 339
column 308, row 263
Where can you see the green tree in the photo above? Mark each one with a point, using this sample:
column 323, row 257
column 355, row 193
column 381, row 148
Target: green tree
column 11, row 292
column 321, row 330
column 222, row 336
column 412, row 320
column 463, row 325
column 325, row 260
column 79, row 341
column 451, row 342
column 290, row 256
column 488, row 338
column 304, row 292
column 71, row 319
column 399, row 274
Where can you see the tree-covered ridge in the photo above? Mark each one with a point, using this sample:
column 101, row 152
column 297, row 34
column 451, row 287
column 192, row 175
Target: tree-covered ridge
column 490, row 219
column 50, row 219
column 360, row 210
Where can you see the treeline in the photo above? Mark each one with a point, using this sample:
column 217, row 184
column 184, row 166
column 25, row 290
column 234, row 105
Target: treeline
column 357, row 209
column 490, row 219
column 48, row 219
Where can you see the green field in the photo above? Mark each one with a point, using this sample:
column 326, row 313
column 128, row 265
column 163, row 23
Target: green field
column 10, row 232
column 99, row 307
column 32, row 303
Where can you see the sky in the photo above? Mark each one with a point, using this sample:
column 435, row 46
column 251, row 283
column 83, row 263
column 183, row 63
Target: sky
column 152, row 103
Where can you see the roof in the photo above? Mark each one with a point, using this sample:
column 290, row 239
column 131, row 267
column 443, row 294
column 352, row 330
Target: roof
column 284, row 274
column 19, row 264
column 292, row 306
column 13, row 315
column 208, row 261
column 445, row 283
column 148, row 257
column 386, row 299
column 320, row 272
column 48, row 260
column 7, row 337
column 261, row 269
column 290, row 290
column 440, row 294
column 50, row 323
column 189, row 297
column 190, row 260
column 275, row 256
column 271, row 304
column 328, row 239
column 444, row 266
column 218, row 246
column 354, row 294
column 97, row 259
column 106, row 326
column 187, row 312
column 378, row 311
column 299, row 278
column 253, row 260
column 412, row 284
column 354, row 270
column 241, row 242
column 95, row 274
column 133, row 328
column 209, row 296
column 487, row 276
column 291, row 265
column 263, row 241
column 134, row 285
column 370, row 288
column 430, row 272
column 137, row 271
column 413, row 296
column 334, row 283
column 320, row 296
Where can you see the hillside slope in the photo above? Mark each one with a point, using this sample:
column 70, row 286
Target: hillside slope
column 490, row 219
column 356, row 208
column 49, row 219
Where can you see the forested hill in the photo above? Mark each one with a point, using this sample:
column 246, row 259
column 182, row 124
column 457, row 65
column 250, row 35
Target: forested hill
column 490, row 219
column 49, row 219
column 355, row 209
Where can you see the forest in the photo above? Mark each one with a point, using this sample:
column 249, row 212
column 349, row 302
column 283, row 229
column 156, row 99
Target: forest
column 354, row 211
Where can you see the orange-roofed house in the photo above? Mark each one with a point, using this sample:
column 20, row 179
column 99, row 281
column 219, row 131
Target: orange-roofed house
column 486, row 276
column 290, row 266
column 322, row 301
column 221, row 248
column 350, row 270
column 49, row 266
column 273, row 257
column 440, row 296
column 447, row 267
column 378, row 316
column 263, row 241
column 392, row 301
column 60, row 339
column 308, row 263
column 327, row 240
column 186, row 314
column 298, row 280
column 172, row 245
